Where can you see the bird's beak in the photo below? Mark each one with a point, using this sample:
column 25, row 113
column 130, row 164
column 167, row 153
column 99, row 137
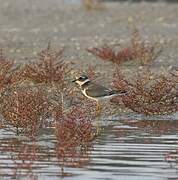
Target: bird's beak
column 75, row 79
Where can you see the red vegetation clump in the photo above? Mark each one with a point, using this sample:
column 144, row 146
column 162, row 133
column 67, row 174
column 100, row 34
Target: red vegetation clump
column 9, row 73
column 73, row 127
column 26, row 107
column 144, row 52
column 138, row 50
column 107, row 53
column 74, row 132
column 23, row 108
column 49, row 69
column 149, row 93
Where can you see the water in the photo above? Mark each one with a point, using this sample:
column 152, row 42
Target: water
column 129, row 147
column 126, row 149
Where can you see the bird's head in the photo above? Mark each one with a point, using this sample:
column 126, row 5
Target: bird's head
column 81, row 80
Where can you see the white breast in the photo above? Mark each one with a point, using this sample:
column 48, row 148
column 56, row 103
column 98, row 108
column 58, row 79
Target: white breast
column 84, row 92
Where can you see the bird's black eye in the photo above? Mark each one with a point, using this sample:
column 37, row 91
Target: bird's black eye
column 80, row 78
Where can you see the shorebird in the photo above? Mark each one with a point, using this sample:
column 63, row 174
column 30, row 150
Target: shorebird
column 95, row 91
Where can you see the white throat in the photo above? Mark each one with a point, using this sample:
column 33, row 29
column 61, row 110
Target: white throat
column 82, row 83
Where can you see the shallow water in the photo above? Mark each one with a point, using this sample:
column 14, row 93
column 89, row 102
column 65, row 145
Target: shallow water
column 130, row 147
column 126, row 149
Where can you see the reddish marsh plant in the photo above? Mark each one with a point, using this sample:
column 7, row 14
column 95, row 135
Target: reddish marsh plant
column 138, row 50
column 107, row 53
column 149, row 93
column 74, row 127
column 74, row 132
column 23, row 108
column 49, row 69
column 9, row 73
column 144, row 52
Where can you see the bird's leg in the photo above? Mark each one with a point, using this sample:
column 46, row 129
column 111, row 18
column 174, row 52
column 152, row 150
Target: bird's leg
column 98, row 108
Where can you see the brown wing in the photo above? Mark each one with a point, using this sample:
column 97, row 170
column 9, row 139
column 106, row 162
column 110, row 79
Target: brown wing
column 95, row 90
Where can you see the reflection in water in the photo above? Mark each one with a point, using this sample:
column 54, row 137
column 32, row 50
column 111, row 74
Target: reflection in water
column 137, row 149
column 21, row 158
column 128, row 149
column 152, row 127
column 18, row 157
